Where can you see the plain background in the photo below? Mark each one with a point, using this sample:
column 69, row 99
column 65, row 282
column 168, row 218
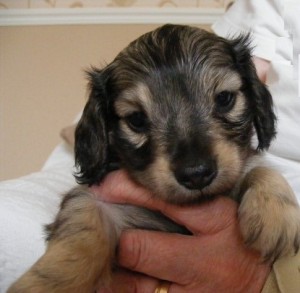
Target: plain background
column 43, row 85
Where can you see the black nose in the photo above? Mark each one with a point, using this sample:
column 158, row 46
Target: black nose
column 197, row 177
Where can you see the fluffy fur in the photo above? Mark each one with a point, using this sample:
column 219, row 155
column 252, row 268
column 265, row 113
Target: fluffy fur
column 177, row 109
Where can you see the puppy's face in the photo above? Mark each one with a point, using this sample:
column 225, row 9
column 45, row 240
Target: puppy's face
column 177, row 109
column 184, row 134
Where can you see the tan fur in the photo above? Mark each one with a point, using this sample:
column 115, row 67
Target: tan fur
column 160, row 177
column 230, row 163
column 76, row 259
column 230, row 81
column 134, row 99
column 238, row 109
column 269, row 214
column 138, row 139
column 218, row 80
column 131, row 101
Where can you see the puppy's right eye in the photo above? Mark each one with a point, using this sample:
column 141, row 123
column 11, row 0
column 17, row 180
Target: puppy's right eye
column 137, row 121
column 224, row 101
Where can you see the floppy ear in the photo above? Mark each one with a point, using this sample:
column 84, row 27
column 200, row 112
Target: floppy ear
column 264, row 117
column 260, row 99
column 91, row 136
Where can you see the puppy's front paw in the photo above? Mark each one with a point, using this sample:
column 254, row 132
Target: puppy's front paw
column 269, row 214
column 80, row 251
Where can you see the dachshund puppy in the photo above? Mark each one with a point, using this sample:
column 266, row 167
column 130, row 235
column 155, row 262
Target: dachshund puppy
column 178, row 109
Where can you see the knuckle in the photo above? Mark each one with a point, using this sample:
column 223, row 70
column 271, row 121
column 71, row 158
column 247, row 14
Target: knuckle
column 131, row 250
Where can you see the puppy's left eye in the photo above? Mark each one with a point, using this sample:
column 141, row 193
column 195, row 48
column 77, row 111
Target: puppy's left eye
column 224, row 101
column 137, row 121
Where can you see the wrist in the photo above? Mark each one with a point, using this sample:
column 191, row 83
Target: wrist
column 262, row 67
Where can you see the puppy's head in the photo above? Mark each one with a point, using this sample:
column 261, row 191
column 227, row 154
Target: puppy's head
column 177, row 108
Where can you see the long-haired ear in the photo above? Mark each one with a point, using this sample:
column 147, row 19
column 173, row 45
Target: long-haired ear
column 264, row 117
column 260, row 99
column 91, row 136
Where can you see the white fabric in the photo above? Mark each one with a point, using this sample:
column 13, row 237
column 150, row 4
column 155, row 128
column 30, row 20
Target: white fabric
column 291, row 13
column 26, row 205
column 264, row 20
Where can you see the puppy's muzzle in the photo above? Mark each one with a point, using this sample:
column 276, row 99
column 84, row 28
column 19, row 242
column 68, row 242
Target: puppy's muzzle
column 197, row 176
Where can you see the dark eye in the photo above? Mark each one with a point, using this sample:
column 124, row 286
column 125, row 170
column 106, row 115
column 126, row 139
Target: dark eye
column 137, row 121
column 224, row 101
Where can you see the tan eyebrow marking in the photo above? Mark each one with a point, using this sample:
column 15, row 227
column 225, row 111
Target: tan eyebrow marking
column 137, row 98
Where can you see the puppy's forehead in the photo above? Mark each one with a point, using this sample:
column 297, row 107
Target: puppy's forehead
column 174, row 65
column 178, row 46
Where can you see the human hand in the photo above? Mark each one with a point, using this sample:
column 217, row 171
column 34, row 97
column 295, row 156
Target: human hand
column 262, row 66
column 213, row 259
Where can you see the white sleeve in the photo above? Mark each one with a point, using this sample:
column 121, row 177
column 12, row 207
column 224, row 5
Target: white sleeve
column 292, row 24
column 263, row 18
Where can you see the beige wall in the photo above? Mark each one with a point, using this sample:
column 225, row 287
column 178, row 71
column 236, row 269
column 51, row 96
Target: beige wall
column 43, row 87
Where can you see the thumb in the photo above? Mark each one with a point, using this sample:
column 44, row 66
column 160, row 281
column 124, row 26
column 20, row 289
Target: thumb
column 209, row 217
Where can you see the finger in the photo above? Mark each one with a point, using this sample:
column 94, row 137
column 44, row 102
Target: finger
column 118, row 187
column 128, row 282
column 189, row 262
column 149, row 252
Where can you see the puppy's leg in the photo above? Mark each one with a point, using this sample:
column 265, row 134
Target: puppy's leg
column 80, row 251
column 269, row 214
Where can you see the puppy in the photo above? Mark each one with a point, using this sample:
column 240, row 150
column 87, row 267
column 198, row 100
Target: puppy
column 177, row 109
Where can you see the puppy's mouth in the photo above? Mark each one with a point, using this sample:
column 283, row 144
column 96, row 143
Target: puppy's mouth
column 187, row 192
column 187, row 184
column 194, row 192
